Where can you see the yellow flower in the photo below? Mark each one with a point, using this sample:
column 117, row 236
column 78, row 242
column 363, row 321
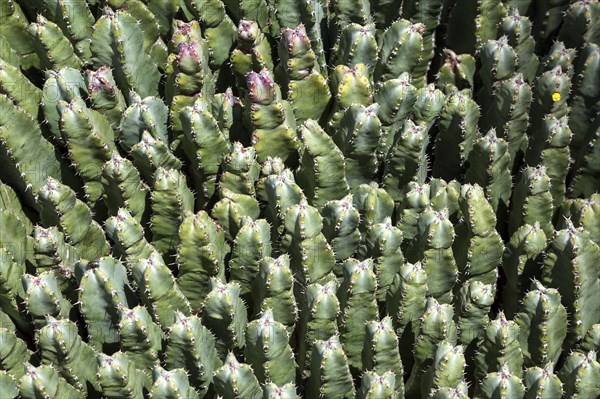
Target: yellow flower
column 556, row 97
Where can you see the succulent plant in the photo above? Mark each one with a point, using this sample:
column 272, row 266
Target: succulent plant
column 299, row 199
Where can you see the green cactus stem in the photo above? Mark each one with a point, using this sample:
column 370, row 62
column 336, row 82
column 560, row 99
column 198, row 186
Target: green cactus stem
column 457, row 128
column 382, row 244
column 225, row 314
column 542, row 322
column 329, row 371
column 458, row 70
column 10, row 201
column 585, row 105
column 140, row 338
column 14, row 240
column 105, row 95
column 273, row 121
column 147, row 114
column 501, row 384
column 43, row 298
column 150, row 154
column 406, row 160
column 406, row 303
column 358, row 304
column 579, row 375
column 580, row 24
column 311, row 15
column 232, row 212
column 358, row 138
column 280, row 191
column 311, row 257
column 14, row 353
column 434, row 245
column 252, row 244
column 517, row 29
column 19, row 89
column 236, row 380
column 253, row 51
column 205, row 145
column 287, row 391
column 240, row 170
column 471, row 26
column 374, row 386
column 24, row 169
column 307, row 89
column 585, row 170
column 571, row 266
column 158, row 290
column 437, row 326
column 219, row 30
column 584, row 213
column 90, row 143
column 447, row 370
column 532, row 201
column 268, row 350
column 542, row 383
column 139, row 11
column 103, row 291
column 429, row 105
column 188, row 74
column 118, row 42
column 478, row 247
column 53, row 48
column 45, row 382
column 499, row 347
column 127, row 234
column 200, row 256
column 171, row 384
column 318, row 322
column 273, row 289
column 191, row 346
column 549, row 147
column 522, row 262
column 401, row 49
column 381, row 354
column 552, row 84
column 12, row 292
column 373, row 203
column 14, row 30
column 396, row 99
column 75, row 19
column 340, row 227
column 119, row 378
column 591, row 341
column 61, row 208
column 356, row 45
column 65, row 85
column 8, row 385
column 321, row 175
column 62, row 347
column 475, row 300
column 490, row 167
column 349, row 85
column 429, row 15
column 123, row 185
column 171, row 199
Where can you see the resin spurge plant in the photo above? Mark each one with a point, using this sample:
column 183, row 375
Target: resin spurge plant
column 261, row 199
